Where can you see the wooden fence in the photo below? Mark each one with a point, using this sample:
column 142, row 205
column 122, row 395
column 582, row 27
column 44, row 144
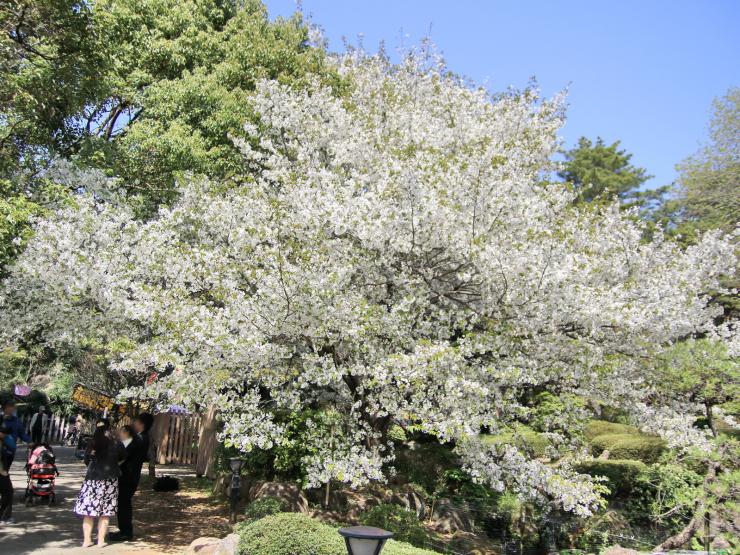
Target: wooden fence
column 56, row 428
column 176, row 438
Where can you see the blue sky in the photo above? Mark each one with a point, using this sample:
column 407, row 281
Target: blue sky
column 644, row 72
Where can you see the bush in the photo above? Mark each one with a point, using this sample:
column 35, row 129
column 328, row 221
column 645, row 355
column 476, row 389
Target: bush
column 403, row 523
column 524, row 438
column 665, row 495
column 264, row 506
column 299, row 534
column 620, row 474
column 641, row 447
column 597, row 428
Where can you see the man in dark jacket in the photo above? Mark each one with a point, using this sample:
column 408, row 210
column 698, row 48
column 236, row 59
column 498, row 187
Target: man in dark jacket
column 136, row 441
column 128, row 482
column 142, row 426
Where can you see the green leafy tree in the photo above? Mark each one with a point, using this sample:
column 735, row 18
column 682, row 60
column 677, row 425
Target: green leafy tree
column 16, row 212
column 51, row 64
column 700, row 371
column 708, row 194
column 599, row 171
column 179, row 85
column 145, row 88
column 703, row 372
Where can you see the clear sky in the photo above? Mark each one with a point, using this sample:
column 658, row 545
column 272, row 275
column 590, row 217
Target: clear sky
column 641, row 71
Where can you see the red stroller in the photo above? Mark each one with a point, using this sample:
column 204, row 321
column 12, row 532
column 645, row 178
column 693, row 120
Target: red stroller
column 42, row 472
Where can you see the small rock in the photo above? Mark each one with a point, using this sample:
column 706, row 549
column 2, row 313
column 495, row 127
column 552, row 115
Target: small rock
column 228, row 546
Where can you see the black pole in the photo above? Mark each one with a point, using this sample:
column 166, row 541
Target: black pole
column 235, row 491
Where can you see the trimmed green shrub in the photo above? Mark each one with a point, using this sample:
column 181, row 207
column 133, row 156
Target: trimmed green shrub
column 620, row 474
column 597, row 428
column 403, row 523
column 299, row 534
column 641, row 447
column 523, row 437
column 264, row 506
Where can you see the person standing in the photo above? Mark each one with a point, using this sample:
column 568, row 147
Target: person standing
column 135, row 438
column 128, row 482
column 142, row 426
column 99, row 492
column 6, row 486
column 15, row 428
column 39, row 425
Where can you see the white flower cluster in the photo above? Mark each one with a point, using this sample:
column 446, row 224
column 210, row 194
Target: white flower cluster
column 398, row 255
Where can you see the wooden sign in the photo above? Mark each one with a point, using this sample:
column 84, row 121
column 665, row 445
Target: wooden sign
column 93, row 399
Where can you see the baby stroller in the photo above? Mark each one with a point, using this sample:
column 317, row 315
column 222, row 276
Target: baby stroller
column 42, row 472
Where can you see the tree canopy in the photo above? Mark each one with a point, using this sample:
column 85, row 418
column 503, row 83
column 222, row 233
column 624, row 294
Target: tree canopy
column 708, row 195
column 395, row 256
column 599, row 171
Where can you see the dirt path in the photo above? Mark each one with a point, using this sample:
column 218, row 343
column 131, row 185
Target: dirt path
column 164, row 523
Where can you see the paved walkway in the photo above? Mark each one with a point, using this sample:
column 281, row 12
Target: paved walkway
column 51, row 530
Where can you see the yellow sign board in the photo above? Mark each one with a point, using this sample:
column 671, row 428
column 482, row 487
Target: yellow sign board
column 92, row 399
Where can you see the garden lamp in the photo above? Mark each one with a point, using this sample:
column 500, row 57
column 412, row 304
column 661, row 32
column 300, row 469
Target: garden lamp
column 364, row 540
column 235, row 463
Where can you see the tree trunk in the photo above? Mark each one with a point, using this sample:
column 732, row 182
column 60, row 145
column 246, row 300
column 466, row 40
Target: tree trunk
column 327, row 495
column 684, row 535
column 207, row 444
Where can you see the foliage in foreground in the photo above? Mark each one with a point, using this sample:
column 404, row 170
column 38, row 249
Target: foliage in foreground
column 264, row 506
column 299, row 534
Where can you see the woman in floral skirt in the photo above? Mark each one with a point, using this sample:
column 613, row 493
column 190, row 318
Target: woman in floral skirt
column 99, row 493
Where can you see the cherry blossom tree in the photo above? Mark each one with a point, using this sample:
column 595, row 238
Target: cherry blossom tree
column 399, row 256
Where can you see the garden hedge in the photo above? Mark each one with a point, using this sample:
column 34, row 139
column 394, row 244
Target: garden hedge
column 299, row 534
column 641, row 447
column 597, row 428
column 621, row 475
column 524, row 437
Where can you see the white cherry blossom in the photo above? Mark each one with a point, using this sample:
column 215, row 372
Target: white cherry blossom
column 398, row 255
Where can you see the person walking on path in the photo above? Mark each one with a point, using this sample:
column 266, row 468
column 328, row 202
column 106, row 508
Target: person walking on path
column 99, row 492
column 15, row 426
column 39, row 425
column 6, row 486
column 128, row 482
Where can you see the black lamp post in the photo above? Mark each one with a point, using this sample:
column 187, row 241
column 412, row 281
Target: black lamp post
column 364, row 540
column 235, row 463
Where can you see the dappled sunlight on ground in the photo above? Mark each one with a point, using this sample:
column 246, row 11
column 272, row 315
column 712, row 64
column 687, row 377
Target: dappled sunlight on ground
column 164, row 522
